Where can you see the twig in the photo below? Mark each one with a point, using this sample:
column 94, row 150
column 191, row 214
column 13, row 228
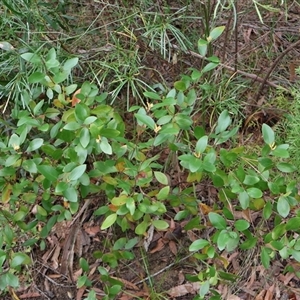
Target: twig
column 276, row 61
column 164, row 269
column 82, row 210
column 248, row 75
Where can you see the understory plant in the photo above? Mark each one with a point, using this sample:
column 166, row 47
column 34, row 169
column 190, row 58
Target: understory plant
column 68, row 145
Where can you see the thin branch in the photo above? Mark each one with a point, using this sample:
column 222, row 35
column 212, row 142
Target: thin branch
column 248, row 75
column 276, row 61
column 164, row 269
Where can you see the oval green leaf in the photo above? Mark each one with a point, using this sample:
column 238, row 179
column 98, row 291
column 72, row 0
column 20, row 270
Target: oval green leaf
column 109, row 221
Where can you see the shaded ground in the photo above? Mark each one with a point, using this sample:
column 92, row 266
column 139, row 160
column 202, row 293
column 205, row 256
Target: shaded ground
column 265, row 50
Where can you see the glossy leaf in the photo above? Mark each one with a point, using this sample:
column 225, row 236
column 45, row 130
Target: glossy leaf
column 147, row 120
column 105, row 146
column 70, row 63
column 48, row 172
column 217, row 221
column 36, row 77
column 215, row 33
column 161, row 178
column 160, row 224
column 209, row 67
column 251, row 180
column 286, row 167
column 152, row 95
column 180, row 85
column 35, row 144
column 201, row 145
column 72, row 126
column 267, row 211
column 84, row 137
column 70, row 194
column 283, row 207
column 198, row 245
column 202, row 46
column 244, row 199
column 6, row 46
column 141, row 228
column 204, row 289
column 241, row 225
column 109, row 221
column 81, row 112
column 84, row 264
column 20, row 259
column 77, row 172
column 254, row 192
column 163, row 193
column 224, row 121
column 268, row 134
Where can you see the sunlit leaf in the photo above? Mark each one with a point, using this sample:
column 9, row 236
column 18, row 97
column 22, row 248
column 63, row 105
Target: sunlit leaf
column 285, row 167
column 217, row 221
column 105, row 146
column 201, row 145
column 283, row 207
column 198, row 245
column 160, row 224
column 49, row 172
column 163, row 193
column 215, row 33
column 254, row 192
column 161, row 177
column 109, row 221
column 224, row 121
column 147, row 120
column 268, row 134
column 77, row 172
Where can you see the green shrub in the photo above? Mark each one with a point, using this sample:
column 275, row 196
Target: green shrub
column 70, row 144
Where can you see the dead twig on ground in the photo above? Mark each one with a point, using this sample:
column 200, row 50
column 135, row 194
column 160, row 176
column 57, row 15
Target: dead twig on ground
column 273, row 66
column 248, row 75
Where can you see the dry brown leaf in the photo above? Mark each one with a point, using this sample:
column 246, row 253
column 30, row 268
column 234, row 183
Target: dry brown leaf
column 128, row 295
column 270, row 292
column 30, row 295
column 191, row 235
column 286, row 278
column 127, row 284
column 159, row 246
column 75, row 100
column 235, row 262
column 181, row 277
column 54, row 276
column 77, row 274
column 54, row 258
column 205, row 209
column 261, row 295
column 172, row 225
column 233, row 297
column 184, row 289
column 247, row 34
column 252, row 278
column 80, row 292
column 92, row 230
column 173, row 248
